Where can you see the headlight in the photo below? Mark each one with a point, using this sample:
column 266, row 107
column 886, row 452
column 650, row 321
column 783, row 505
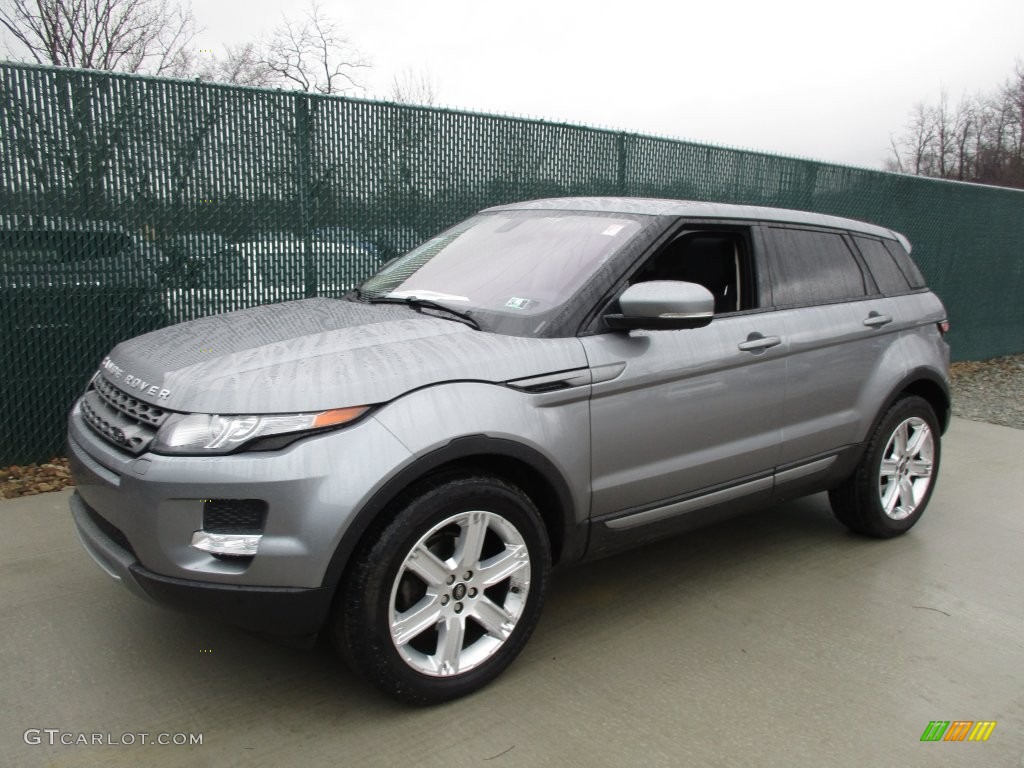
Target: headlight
column 201, row 433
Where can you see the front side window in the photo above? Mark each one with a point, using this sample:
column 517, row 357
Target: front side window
column 813, row 267
column 510, row 270
column 717, row 259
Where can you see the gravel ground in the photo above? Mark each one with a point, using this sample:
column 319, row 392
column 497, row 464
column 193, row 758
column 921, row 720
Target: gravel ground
column 990, row 390
column 30, row 479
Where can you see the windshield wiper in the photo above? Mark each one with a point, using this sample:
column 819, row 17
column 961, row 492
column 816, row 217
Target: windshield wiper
column 420, row 304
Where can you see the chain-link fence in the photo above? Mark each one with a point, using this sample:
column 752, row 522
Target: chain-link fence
column 127, row 203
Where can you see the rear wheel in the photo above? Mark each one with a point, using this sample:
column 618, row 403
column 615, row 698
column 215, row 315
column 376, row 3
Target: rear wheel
column 888, row 492
column 447, row 595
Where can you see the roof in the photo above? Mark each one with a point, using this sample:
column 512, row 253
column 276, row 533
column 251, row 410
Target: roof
column 701, row 210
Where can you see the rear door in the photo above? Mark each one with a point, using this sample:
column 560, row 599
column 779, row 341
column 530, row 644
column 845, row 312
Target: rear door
column 842, row 334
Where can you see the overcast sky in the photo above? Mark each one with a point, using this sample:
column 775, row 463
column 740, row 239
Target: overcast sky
column 816, row 79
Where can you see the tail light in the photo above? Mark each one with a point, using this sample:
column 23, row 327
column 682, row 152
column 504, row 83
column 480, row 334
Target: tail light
column 943, row 326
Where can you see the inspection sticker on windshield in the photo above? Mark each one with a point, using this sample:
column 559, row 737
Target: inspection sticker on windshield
column 517, row 303
column 613, row 229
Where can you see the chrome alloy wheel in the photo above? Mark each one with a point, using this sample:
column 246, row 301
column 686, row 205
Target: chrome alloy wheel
column 906, row 469
column 459, row 593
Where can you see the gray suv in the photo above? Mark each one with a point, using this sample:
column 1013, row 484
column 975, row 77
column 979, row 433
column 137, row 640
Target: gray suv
column 542, row 383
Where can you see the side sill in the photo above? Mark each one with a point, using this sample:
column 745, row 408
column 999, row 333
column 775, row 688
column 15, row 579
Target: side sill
column 644, row 517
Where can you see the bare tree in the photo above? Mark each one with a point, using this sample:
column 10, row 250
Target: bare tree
column 70, row 144
column 414, row 87
column 916, row 147
column 1013, row 97
column 964, row 127
column 981, row 140
column 312, row 54
column 894, row 163
column 155, row 37
column 147, row 36
column 240, row 65
column 942, row 127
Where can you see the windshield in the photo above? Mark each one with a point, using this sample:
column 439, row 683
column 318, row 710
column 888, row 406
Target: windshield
column 507, row 268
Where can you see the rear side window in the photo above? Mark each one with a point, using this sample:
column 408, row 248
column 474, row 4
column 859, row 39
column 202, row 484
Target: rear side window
column 884, row 269
column 813, row 267
column 906, row 264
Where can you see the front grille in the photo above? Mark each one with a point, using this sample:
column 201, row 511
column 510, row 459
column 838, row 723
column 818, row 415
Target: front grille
column 127, row 404
column 121, row 419
column 234, row 515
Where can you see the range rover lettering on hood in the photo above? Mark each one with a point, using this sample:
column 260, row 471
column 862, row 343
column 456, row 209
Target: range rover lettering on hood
column 133, row 382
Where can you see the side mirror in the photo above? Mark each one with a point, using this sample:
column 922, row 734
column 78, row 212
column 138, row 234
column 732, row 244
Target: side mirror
column 663, row 305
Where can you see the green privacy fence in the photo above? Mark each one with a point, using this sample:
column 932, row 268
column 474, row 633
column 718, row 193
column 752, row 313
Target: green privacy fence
column 127, row 203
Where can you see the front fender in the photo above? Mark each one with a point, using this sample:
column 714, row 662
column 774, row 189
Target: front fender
column 468, row 422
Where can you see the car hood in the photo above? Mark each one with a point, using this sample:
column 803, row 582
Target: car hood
column 317, row 354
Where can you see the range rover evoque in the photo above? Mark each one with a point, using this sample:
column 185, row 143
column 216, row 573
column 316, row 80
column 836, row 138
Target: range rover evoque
column 544, row 382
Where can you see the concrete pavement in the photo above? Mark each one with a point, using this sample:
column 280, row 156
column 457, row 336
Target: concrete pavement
column 771, row 640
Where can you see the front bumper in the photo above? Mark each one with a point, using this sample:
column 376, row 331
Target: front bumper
column 268, row 610
column 137, row 515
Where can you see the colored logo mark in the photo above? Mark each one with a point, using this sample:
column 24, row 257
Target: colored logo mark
column 958, row 730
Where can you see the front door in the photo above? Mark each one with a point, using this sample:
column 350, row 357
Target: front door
column 692, row 410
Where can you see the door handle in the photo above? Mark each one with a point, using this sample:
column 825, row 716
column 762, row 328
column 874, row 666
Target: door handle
column 875, row 320
column 757, row 343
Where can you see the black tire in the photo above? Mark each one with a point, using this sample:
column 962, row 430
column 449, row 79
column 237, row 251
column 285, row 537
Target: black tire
column 411, row 667
column 858, row 501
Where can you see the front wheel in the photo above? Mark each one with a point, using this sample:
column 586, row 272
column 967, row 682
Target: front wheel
column 447, row 595
column 891, row 486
